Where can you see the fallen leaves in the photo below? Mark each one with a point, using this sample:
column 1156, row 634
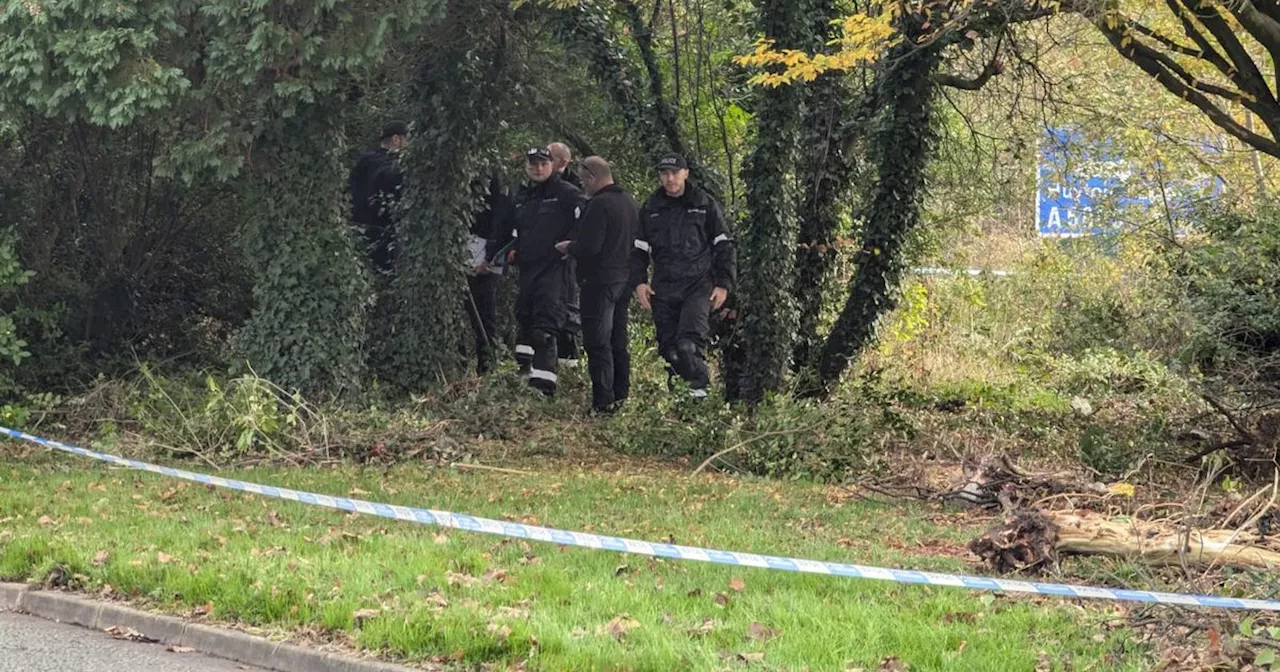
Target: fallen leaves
column 722, row 600
column 708, row 626
column 128, row 634
column 760, row 632
column 893, row 664
column 619, row 627
column 737, row 584
column 757, row 657
column 163, row 558
column 501, row 631
column 173, row 648
column 363, row 615
column 100, row 558
column 46, row 521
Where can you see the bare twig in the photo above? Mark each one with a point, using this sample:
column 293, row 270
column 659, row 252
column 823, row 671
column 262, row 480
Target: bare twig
column 485, row 467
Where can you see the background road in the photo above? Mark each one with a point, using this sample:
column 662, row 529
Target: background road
column 30, row 644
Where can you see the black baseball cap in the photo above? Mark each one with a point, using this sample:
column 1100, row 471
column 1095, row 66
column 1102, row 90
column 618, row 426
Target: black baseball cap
column 393, row 129
column 672, row 162
column 538, row 154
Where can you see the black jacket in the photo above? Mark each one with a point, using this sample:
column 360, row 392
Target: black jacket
column 497, row 209
column 374, row 183
column 687, row 240
column 544, row 215
column 568, row 175
column 606, row 236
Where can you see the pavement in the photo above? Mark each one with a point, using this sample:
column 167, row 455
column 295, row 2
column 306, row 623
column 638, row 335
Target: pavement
column 30, row 644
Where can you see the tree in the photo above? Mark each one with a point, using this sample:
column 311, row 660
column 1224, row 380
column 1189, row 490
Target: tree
column 249, row 95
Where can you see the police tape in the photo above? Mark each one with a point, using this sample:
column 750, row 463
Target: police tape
column 659, row 550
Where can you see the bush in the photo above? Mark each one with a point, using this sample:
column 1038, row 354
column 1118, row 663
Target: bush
column 1230, row 277
column 782, row 437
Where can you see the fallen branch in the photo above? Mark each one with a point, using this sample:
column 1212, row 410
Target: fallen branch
column 1032, row 539
column 485, row 467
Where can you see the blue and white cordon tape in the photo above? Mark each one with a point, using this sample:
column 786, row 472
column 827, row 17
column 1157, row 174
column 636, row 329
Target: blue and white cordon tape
column 596, row 541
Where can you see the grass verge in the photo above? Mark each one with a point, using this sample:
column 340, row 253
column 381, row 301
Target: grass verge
column 466, row 601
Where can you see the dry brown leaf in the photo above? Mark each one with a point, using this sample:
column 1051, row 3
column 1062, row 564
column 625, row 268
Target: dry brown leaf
column 163, row 558
column 441, row 539
column 45, row 521
column 893, row 664
column 708, row 626
column 180, row 649
column 128, row 634
column 456, row 579
column 722, row 600
column 757, row 657
column 100, row 558
column 737, row 584
column 696, row 592
column 620, row 626
column 761, row 632
column 365, row 614
column 503, row 631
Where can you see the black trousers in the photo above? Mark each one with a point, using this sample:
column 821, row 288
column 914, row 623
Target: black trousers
column 482, row 309
column 568, row 340
column 604, row 332
column 682, row 318
column 541, row 312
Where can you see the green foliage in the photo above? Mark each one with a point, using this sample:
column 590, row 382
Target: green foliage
column 219, row 74
column 241, row 418
column 307, row 331
column 456, row 82
column 783, row 437
column 1230, row 273
column 13, row 349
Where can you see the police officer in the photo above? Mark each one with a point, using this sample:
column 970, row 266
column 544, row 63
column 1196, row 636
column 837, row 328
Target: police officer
column 481, row 302
column 546, row 212
column 567, row 339
column 374, row 183
column 606, row 236
column 683, row 232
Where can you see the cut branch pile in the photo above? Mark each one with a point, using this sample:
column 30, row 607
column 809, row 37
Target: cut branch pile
column 1030, row 540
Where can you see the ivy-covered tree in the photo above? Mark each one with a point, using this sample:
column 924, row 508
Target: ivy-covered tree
column 768, row 310
column 460, row 76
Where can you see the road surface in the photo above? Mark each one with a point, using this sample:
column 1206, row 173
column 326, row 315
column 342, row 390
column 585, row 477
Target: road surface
column 30, row 644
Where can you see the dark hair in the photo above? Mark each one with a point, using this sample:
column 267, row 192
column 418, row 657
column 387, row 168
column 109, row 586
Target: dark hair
column 393, row 129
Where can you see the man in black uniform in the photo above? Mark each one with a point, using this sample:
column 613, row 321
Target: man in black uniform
column 546, row 212
column 606, row 236
column 567, row 339
column 682, row 230
column 481, row 304
column 374, row 183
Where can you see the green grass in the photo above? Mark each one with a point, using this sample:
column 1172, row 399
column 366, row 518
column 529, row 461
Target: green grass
column 472, row 599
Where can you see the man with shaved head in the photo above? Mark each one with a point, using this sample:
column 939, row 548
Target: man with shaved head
column 606, row 234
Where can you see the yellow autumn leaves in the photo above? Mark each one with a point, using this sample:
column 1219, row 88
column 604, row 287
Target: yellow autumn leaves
column 862, row 39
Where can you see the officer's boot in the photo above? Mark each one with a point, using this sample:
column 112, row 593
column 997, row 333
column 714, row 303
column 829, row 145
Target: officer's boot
column 692, row 368
column 542, row 368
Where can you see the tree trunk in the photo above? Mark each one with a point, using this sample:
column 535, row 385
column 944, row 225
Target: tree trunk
column 768, row 310
column 828, row 170
column 902, row 142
